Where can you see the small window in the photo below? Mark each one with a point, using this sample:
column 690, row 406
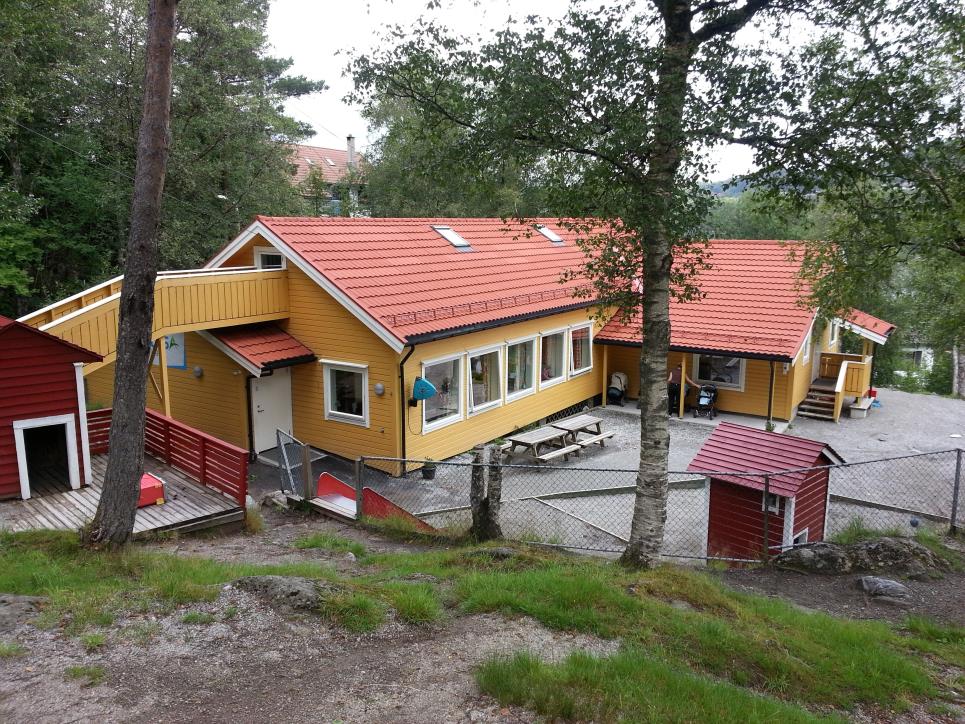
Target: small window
column 773, row 503
column 346, row 392
column 833, row 335
column 445, row 406
column 450, row 235
column 806, row 347
column 720, row 370
column 549, row 234
column 581, row 349
column 268, row 257
column 484, row 380
column 552, row 347
column 309, row 161
column 520, row 368
column 801, row 538
column 329, row 161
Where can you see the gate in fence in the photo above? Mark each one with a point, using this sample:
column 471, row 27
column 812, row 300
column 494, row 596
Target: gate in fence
column 293, row 456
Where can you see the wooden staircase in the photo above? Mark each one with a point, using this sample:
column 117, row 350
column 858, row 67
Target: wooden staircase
column 819, row 401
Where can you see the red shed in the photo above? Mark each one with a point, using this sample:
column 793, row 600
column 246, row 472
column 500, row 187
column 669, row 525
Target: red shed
column 797, row 502
column 43, row 414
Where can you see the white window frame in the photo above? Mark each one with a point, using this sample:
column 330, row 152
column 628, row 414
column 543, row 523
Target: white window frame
column 336, row 415
column 566, row 366
column 20, row 445
column 833, row 334
column 460, row 414
column 583, row 370
column 471, row 408
column 259, row 250
column 739, row 387
column 534, row 369
column 794, row 541
column 806, row 347
column 765, row 503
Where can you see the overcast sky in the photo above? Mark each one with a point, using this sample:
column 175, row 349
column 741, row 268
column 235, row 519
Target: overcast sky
column 312, row 33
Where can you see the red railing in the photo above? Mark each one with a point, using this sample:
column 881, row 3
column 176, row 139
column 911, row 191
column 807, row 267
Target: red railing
column 210, row 461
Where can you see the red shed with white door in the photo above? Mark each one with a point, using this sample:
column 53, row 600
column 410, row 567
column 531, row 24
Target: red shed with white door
column 43, row 416
column 797, row 501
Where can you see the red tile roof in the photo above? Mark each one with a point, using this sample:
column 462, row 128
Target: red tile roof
column 264, row 346
column 414, row 282
column 306, row 158
column 871, row 323
column 738, row 448
column 749, row 305
column 82, row 354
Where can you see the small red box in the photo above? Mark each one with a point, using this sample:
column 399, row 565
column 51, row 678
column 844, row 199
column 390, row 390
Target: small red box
column 152, row 491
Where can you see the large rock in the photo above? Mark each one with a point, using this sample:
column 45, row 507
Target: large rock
column 287, row 592
column 875, row 586
column 17, row 610
column 900, row 555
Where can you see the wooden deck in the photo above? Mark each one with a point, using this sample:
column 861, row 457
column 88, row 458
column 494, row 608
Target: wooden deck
column 187, row 506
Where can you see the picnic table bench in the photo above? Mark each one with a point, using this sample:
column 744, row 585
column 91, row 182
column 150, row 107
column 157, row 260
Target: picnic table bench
column 584, row 423
column 534, row 441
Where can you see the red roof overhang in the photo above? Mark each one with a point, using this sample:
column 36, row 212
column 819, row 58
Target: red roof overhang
column 262, row 346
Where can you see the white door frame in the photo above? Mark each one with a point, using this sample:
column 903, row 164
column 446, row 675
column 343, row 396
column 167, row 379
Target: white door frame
column 279, row 373
column 70, row 430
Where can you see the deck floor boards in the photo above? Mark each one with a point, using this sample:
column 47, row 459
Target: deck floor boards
column 55, row 507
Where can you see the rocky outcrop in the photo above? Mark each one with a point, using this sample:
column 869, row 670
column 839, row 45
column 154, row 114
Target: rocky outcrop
column 898, row 555
column 291, row 593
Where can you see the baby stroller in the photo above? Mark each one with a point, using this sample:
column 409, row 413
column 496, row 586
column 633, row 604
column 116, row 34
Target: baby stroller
column 706, row 401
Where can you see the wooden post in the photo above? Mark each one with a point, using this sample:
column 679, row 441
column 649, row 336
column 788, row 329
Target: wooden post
column 683, row 385
column 605, row 375
column 307, row 492
column 165, row 389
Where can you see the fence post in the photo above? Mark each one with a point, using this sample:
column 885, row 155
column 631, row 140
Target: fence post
column 307, row 492
column 494, row 492
column 477, row 494
column 767, row 520
column 359, row 484
column 953, row 527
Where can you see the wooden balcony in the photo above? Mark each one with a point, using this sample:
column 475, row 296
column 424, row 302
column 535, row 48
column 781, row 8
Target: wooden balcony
column 850, row 374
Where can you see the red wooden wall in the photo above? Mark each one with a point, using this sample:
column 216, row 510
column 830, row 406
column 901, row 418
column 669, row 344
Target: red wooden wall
column 810, row 503
column 37, row 379
column 736, row 525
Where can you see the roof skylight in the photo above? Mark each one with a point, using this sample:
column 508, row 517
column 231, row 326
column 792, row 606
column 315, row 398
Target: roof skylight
column 329, row 161
column 549, row 234
column 450, row 235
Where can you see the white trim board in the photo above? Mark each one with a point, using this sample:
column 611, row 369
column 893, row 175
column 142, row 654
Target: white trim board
column 257, row 228
column 82, row 409
column 70, row 430
column 861, row 331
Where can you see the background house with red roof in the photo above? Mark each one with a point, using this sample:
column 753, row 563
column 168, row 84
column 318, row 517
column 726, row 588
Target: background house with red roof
column 43, row 413
column 795, row 501
column 320, row 326
column 320, row 171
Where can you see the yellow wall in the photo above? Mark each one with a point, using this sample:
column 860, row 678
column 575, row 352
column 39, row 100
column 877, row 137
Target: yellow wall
column 489, row 424
column 215, row 403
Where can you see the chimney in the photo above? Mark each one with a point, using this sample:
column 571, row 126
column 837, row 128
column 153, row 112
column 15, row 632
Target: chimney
column 350, row 143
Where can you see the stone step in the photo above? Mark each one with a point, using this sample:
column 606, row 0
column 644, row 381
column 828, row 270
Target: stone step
column 814, row 415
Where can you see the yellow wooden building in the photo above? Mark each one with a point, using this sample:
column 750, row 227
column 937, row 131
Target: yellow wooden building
column 320, row 327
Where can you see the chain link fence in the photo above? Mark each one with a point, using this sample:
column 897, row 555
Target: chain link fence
column 725, row 515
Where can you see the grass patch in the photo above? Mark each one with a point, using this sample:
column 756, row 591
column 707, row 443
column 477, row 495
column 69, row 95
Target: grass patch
column 254, row 520
column 414, row 602
column 143, row 633
column 933, row 542
column 87, row 675
column 198, row 618
column 11, row 649
column 231, row 613
column 628, row 686
column 355, row 611
column 405, row 529
column 93, row 641
column 857, row 530
column 330, row 542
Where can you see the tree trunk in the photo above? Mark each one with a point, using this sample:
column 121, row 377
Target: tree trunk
column 958, row 372
column 650, row 504
column 477, row 494
column 494, row 492
column 114, row 522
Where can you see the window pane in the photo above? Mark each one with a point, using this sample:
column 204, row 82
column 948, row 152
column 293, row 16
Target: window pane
column 552, row 349
column 484, row 369
column 519, row 367
column 580, row 349
column 347, row 392
column 269, row 261
column 725, row 370
column 445, row 377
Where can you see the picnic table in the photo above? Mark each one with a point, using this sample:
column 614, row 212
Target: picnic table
column 584, row 423
column 534, row 441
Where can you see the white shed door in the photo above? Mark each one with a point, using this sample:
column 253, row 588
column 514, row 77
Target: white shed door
column 271, row 407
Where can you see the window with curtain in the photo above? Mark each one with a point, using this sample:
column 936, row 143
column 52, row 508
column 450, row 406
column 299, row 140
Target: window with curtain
column 520, row 361
column 446, row 404
column 551, row 357
column 581, row 352
column 484, row 391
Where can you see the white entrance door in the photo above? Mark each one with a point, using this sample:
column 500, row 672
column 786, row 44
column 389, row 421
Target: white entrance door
column 271, row 407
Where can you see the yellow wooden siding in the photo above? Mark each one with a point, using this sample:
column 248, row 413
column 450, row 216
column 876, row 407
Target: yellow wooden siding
column 625, row 360
column 485, row 426
column 802, row 374
column 215, row 403
column 184, row 303
column 333, row 333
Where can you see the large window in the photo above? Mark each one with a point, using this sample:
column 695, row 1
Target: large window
column 720, row 370
column 484, row 380
column 520, row 368
column 268, row 257
column 552, row 348
column 346, row 392
column 446, row 405
column 581, row 349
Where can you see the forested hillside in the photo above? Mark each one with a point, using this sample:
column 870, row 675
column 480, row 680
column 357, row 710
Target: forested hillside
column 70, row 85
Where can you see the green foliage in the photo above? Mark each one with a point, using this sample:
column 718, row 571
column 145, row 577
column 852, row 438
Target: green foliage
column 93, row 641
column 330, row 542
column 857, row 530
column 354, row 611
column 87, row 675
column 198, row 618
column 70, row 103
column 414, row 602
column 10, row 649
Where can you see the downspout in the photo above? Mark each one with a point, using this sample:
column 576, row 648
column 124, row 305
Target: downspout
column 404, row 404
column 770, row 396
